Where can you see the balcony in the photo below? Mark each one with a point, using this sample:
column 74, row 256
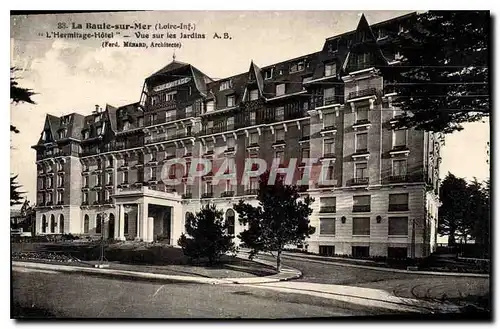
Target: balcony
column 322, row 102
column 327, row 209
column 399, row 150
column 170, row 189
column 124, row 185
column 359, row 181
column 279, row 143
column 361, row 123
column 398, row 179
column 208, row 153
column 152, row 163
column 361, row 208
column 207, row 195
column 187, row 195
column 362, row 93
column 361, row 153
column 253, row 146
column 230, row 150
column 252, row 191
column 188, row 155
column 398, row 207
column 85, row 203
column 304, row 139
column 139, row 165
column 124, row 167
column 227, row 194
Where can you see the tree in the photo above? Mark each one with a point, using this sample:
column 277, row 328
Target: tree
column 18, row 94
column 279, row 219
column 478, row 213
column 15, row 194
column 443, row 79
column 453, row 195
column 207, row 235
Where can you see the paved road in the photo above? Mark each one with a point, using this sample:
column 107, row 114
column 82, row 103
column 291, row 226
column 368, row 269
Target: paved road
column 71, row 295
column 405, row 285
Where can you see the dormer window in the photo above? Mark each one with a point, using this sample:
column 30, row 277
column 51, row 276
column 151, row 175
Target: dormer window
column 44, row 136
column 305, row 80
column 62, row 134
column 99, row 130
column 210, row 106
column 382, row 34
column 171, row 96
column 333, row 46
column 254, row 94
column 268, row 74
column 230, row 101
column 280, row 89
column 225, row 85
column 330, row 69
column 97, row 118
column 86, row 134
column 297, row 66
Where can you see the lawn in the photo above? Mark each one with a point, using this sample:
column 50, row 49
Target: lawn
column 155, row 258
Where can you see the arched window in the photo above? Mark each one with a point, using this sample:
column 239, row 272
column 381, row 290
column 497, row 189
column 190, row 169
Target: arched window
column 98, row 224
column 53, row 224
column 61, row 224
column 111, row 226
column 230, row 221
column 44, row 224
column 125, row 224
column 86, row 224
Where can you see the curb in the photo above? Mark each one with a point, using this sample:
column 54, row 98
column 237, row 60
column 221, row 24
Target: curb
column 385, row 269
column 282, row 276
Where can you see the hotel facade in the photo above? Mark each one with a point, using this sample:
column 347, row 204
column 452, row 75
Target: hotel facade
column 104, row 173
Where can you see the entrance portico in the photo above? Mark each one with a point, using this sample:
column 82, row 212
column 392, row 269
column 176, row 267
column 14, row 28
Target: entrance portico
column 151, row 215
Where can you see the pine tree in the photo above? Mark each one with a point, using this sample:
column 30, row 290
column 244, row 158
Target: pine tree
column 281, row 218
column 15, row 194
column 442, row 80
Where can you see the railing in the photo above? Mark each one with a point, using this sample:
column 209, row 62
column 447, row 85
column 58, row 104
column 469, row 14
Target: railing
column 362, row 93
column 360, row 181
column 207, row 195
column 361, row 151
column 227, row 194
column 320, row 100
column 328, row 128
column 187, row 195
column 252, row 191
column 327, row 209
column 361, row 208
column 361, row 122
column 398, row 179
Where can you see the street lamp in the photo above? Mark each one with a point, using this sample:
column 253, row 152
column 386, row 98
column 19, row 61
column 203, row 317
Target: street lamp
column 102, row 259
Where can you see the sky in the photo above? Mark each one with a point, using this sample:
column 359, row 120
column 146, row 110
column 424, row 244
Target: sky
column 75, row 75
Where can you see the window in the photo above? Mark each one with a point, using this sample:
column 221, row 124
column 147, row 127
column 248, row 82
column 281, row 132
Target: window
column 99, row 130
column 328, row 204
column 230, row 142
column 361, row 203
column 49, row 197
column 360, row 251
column 189, row 111
column 230, row 221
column 361, row 142
column 86, row 134
column 208, row 187
column 361, row 170
column 329, row 94
column 230, row 101
column 125, row 223
column 225, row 85
column 305, row 153
column 254, row 183
column 98, row 180
column 279, row 135
column 397, row 252
column 106, row 196
column 253, row 117
column 399, row 167
column 327, row 250
column 399, row 138
column 268, row 74
column 328, row 120
column 85, row 181
column 298, row 66
column 361, row 226
column 210, row 106
column 327, row 226
column 305, row 80
column 306, row 130
column 328, row 146
column 280, row 113
column 362, row 114
column 254, row 94
column 254, row 138
column 85, row 197
column 62, row 134
column 59, row 197
column 382, row 33
column 398, row 226
column 171, row 96
column 109, row 178
column 280, row 89
column 398, row 202
column 330, row 69
column 60, row 180
column 53, row 224
column 125, row 177
column 230, row 123
column 169, row 116
column 280, row 155
column 209, row 146
column 98, row 226
column 98, row 196
column 50, row 182
column 86, row 224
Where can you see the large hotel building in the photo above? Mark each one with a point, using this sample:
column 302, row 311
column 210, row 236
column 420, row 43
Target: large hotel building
column 334, row 105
